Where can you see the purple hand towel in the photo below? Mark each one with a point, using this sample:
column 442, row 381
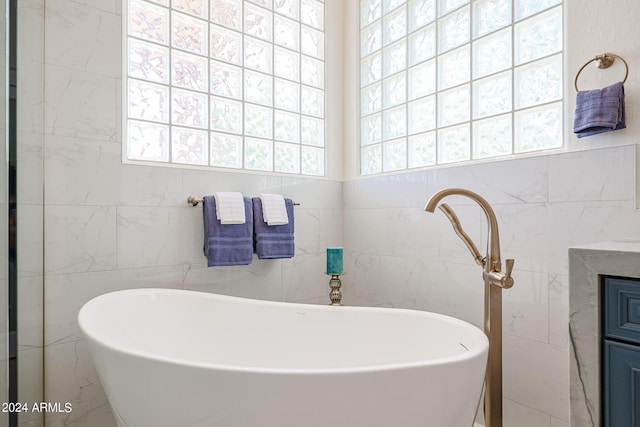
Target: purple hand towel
column 600, row 110
column 227, row 244
column 273, row 241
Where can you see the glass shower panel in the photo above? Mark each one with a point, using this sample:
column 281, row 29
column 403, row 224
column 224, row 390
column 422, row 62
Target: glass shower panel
column 6, row 208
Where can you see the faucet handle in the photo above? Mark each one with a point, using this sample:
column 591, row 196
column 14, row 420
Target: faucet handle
column 508, row 280
column 509, row 266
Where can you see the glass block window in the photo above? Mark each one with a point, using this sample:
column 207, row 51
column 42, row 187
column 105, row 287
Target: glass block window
column 445, row 81
column 226, row 83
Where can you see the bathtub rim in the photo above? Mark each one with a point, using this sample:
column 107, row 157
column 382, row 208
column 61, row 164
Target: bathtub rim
column 481, row 342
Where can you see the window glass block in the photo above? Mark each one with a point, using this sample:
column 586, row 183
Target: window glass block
column 189, row 71
column 258, row 121
column 394, row 123
column 447, row 72
column 312, row 42
column 189, row 146
column 422, row 114
column 258, row 22
column 287, row 95
column 226, row 150
column 189, row 108
column 312, row 161
column 446, row 6
column 394, row 155
column 370, row 39
column 454, row 68
column 225, row 80
column 371, row 129
column 312, row 72
column 454, row 144
column 148, row 61
column 539, row 82
column 286, row 158
column 394, row 58
column 264, row 3
column 227, row 13
column 148, row 101
column 225, row 45
column 538, row 128
column 389, row 5
column 370, row 10
column 188, row 33
column 525, row 8
column 490, row 15
column 371, row 160
column 371, row 69
column 257, row 55
column 538, row 36
column 453, row 106
column 258, row 88
column 233, row 68
column 226, row 115
column 147, row 141
column 492, row 53
column 312, row 131
column 286, row 64
column 286, row 126
column 421, row 12
column 149, row 22
column 288, row 8
column 312, row 101
column 422, row 45
column 422, row 150
column 394, row 25
column 394, row 90
column 492, row 137
column 286, row 32
column 312, row 13
column 422, row 80
column 197, row 8
column 453, row 30
column 371, row 99
column 492, row 95
column 258, row 154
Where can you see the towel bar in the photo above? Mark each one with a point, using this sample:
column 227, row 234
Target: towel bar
column 604, row 61
column 193, row 201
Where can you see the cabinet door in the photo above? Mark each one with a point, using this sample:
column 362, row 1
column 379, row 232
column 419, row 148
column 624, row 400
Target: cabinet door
column 621, row 385
column 622, row 309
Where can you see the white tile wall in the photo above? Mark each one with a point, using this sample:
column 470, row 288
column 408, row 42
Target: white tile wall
column 30, row 126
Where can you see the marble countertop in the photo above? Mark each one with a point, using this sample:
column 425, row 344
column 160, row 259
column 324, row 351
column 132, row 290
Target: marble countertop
column 626, row 245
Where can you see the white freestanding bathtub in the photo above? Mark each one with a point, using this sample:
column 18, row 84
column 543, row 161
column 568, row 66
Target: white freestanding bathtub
column 182, row 358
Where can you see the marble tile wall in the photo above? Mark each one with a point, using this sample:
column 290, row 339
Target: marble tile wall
column 544, row 205
column 109, row 226
column 30, row 135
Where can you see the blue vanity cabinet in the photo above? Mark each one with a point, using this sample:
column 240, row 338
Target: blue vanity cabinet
column 621, row 352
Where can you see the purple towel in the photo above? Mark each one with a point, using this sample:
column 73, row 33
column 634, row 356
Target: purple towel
column 228, row 244
column 600, row 110
column 273, row 241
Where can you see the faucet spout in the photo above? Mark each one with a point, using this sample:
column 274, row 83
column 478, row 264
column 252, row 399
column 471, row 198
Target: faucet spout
column 457, row 227
column 493, row 257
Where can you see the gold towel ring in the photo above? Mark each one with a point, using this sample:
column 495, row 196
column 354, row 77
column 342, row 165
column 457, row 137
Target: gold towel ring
column 604, row 61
